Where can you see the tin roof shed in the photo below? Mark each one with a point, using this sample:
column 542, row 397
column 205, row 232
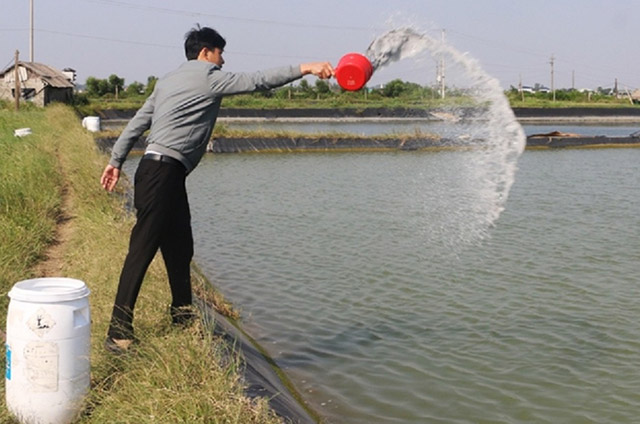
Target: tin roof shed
column 39, row 83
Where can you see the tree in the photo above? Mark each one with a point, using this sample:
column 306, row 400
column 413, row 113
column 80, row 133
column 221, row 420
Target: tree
column 151, row 85
column 116, row 84
column 306, row 89
column 93, row 88
column 104, row 87
column 394, row 88
column 99, row 87
column 322, row 87
column 135, row 89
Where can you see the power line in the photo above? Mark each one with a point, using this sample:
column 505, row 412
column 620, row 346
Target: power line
column 500, row 44
column 169, row 46
column 233, row 18
column 572, row 62
column 7, row 65
column 94, row 37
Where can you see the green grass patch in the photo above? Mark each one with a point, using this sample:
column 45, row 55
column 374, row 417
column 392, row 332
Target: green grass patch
column 30, row 186
column 359, row 101
column 173, row 375
column 223, row 130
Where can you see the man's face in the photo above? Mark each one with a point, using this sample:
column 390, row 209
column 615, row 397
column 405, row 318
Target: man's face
column 213, row 56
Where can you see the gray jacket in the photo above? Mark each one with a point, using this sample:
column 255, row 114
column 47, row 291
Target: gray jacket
column 183, row 109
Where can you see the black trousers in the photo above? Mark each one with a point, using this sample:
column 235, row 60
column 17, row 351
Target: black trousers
column 163, row 222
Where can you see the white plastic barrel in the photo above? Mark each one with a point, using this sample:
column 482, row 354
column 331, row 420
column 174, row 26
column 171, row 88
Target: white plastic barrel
column 91, row 123
column 48, row 346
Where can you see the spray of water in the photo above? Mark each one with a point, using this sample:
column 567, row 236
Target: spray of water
column 485, row 123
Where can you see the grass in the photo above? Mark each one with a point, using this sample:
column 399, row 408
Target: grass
column 357, row 101
column 172, row 376
column 564, row 100
column 223, row 130
column 29, row 197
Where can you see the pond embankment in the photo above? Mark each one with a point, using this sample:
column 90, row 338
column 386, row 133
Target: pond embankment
column 594, row 114
column 265, row 142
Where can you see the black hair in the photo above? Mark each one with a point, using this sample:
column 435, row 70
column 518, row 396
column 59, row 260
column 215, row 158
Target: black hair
column 198, row 38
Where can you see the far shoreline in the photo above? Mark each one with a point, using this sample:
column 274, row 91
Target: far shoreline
column 567, row 114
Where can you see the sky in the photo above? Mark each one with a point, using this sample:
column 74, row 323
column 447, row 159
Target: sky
column 593, row 43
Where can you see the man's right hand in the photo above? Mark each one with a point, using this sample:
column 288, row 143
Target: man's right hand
column 110, row 177
column 322, row 70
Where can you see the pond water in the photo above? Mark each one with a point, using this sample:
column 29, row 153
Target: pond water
column 347, row 268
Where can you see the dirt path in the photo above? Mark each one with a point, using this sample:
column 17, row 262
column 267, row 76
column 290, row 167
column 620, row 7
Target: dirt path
column 52, row 264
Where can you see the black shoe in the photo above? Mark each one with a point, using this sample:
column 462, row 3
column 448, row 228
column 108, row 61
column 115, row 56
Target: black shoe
column 118, row 346
column 183, row 316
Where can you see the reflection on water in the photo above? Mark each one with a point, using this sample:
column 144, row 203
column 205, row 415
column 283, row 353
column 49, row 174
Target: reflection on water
column 344, row 268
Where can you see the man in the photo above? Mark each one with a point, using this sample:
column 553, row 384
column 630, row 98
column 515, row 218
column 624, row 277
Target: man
column 180, row 114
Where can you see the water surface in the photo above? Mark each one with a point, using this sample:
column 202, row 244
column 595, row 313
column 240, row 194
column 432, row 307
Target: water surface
column 356, row 273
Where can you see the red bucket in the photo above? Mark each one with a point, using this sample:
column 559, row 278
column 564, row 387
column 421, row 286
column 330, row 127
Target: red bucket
column 353, row 71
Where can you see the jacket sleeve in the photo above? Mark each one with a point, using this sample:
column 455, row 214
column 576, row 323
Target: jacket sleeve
column 132, row 132
column 227, row 83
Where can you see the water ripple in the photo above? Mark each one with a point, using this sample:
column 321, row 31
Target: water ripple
column 350, row 288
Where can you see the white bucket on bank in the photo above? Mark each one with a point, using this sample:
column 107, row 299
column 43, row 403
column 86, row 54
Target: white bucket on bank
column 48, row 346
column 91, row 123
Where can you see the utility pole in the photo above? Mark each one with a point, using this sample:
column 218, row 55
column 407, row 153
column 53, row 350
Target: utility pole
column 573, row 80
column 520, row 88
column 553, row 89
column 436, row 87
column 31, row 31
column 17, row 81
column 442, row 84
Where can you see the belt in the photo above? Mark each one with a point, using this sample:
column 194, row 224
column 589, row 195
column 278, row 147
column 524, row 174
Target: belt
column 162, row 158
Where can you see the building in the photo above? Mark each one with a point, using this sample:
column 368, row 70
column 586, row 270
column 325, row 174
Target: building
column 39, row 83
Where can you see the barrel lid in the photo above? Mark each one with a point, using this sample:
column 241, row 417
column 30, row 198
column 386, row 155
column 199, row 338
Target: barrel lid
column 49, row 290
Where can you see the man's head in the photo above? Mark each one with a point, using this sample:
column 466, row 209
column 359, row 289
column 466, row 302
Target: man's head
column 202, row 38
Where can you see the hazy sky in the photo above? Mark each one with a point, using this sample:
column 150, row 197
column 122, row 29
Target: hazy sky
column 593, row 42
